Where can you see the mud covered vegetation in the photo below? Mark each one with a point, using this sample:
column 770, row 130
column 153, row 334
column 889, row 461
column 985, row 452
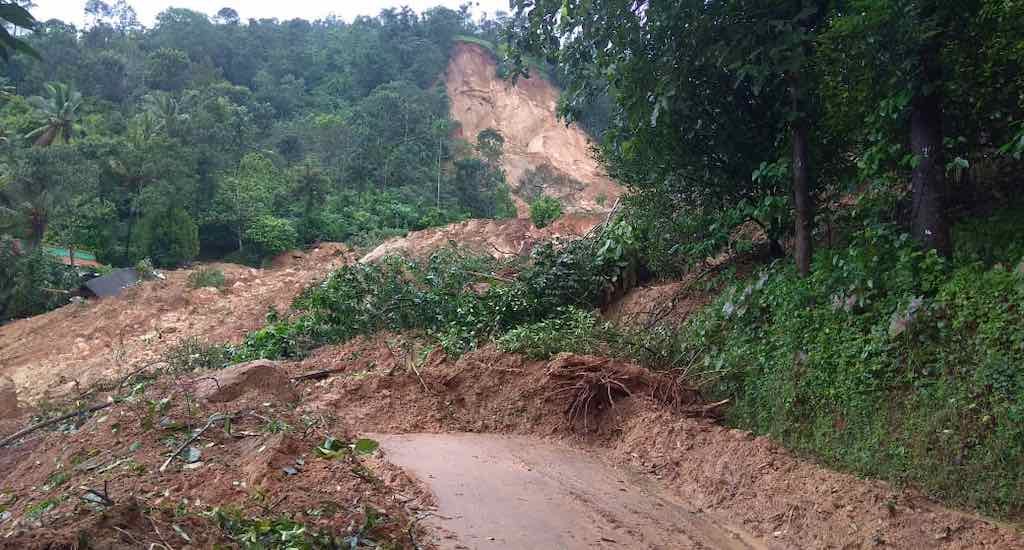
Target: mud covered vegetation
column 888, row 361
column 458, row 298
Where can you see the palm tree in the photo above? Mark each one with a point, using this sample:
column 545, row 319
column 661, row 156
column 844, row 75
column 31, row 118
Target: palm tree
column 61, row 112
column 165, row 108
column 22, row 208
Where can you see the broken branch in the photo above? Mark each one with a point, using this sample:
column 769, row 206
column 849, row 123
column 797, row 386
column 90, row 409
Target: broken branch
column 87, row 410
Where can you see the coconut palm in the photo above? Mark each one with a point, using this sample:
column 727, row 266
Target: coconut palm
column 61, row 112
column 165, row 109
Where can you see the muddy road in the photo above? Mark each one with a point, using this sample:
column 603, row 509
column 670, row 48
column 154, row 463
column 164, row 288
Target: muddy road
column 496, row 491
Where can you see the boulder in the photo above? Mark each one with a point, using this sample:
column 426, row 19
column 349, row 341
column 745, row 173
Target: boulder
column 261, row 377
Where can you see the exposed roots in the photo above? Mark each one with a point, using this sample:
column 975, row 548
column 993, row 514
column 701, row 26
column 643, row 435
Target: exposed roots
column 593, row 385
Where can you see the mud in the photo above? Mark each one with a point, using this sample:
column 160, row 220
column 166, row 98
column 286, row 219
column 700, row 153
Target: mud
column 499, row 239
column 762, row 488
column 65, row 351
column 498, row 491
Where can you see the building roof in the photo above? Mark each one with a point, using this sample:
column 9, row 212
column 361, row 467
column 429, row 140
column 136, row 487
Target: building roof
column 113, row 283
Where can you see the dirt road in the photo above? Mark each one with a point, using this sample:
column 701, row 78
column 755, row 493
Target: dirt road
column 495, row 491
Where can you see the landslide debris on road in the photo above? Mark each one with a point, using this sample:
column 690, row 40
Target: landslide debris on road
column 65, row 351
column 784, row 501
column 526, row 115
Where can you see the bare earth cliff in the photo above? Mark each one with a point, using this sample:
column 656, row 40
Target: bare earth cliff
column 525, row 114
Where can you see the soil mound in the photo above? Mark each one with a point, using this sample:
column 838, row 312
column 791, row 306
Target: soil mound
column 390, row 386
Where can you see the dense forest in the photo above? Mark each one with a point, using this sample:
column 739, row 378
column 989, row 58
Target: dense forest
column 222, row 138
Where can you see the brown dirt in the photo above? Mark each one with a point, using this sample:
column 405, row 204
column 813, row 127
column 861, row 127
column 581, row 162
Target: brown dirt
column 526, row 115
column 497, row 491
column 266, row 465
column 499, row 238
column 65, row 351
column 782, row 500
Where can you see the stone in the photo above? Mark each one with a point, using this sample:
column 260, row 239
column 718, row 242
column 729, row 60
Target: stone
column 260, row 377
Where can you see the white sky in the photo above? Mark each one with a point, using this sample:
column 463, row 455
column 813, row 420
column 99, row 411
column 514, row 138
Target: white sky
column 72, row 11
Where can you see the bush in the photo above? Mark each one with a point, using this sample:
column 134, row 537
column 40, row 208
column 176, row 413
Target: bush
column 191, row 354
column 32, row 283
column 169, row 238
column 544, row 211
column 206, row 277
column 887, row 361
column 271, row 236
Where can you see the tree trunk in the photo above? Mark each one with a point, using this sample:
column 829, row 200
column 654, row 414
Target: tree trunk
column 929, row 224
column 802, row 202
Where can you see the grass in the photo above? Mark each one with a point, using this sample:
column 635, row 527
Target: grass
column 206, row 277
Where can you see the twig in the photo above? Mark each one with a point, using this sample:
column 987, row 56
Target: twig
column 159, row 534
column 136, row 372
column 87, row 410
column 416, row 371
column 213, row 420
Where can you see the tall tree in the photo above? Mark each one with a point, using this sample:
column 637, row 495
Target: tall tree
column 60, row 110
column 13, row 14
column 902, row 50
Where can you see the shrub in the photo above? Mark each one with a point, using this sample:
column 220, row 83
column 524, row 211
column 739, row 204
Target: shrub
column 31, row 283
column 191, row 354
column 206, row 277
column 144, row 269
column 887, row 361
column 544, row 211
column 272, row 236
column 170, row 238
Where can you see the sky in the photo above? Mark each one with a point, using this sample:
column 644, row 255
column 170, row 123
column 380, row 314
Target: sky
column 72, row 11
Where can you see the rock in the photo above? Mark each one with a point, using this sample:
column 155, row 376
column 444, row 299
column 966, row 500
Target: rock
column 261, row 376
column 8, row 398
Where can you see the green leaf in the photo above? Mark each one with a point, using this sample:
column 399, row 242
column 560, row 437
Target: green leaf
column 366, row 446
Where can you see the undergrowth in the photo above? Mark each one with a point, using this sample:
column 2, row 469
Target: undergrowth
column 887, row 361
column 456, row 298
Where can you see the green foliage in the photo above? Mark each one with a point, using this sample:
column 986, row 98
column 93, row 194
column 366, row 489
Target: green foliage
column 169, row 238
column 575, row 331
column 206, row 277
column 192, row 354
column 269, row 533
column 31, row 282
column 440, row 296
column 887, row 361
column 544, row 211
column 271, row 236
column 338, row 130
column 167, row 69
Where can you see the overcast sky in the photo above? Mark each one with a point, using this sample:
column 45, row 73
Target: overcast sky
column 73, row 10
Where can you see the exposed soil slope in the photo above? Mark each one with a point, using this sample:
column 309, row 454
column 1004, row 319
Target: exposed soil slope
column 66, row 350
column 498, row 238
column 525, row 114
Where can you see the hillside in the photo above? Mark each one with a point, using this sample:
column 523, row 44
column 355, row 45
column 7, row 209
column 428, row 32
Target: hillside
column 525, row 114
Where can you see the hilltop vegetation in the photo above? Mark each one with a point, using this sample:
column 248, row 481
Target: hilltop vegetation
column 222, row 138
